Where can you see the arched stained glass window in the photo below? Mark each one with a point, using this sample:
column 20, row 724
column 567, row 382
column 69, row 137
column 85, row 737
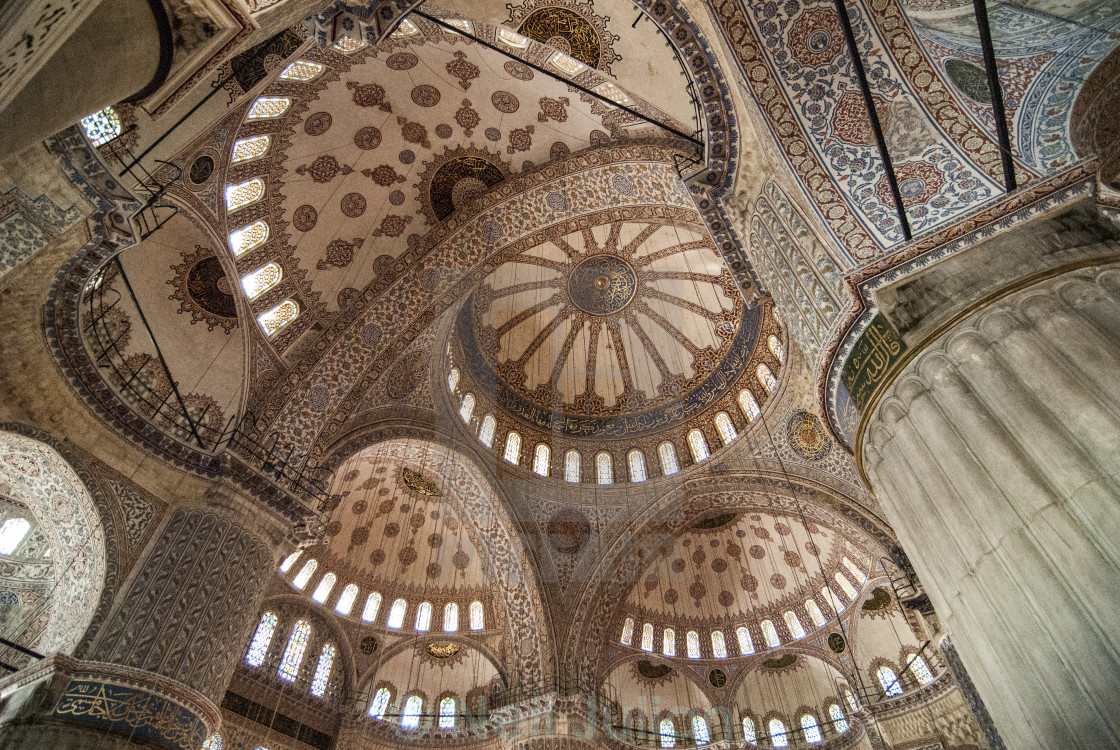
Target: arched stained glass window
column 102, row 127
column 700, row 731
column 746, row 643
column 767, row 379
column 832, row 599
column 839, row 723
column 512, row 38
column 241, row 194
column 278, row 317
column 258, row 647
column 541, row 456
column 248, row 237
column 668, row 734
column 793, row 622
column 726, row 429
column 815, row 613
column 777, row 349
column 213, row 742
column 889, row 680
column 467, row 409
column 748, row 730
column 301, row 70
column 809, row 722
column 647, row 637
column 778, row 733
column 769, row 634
column 627, row 631
column 855, row 570
column 373, row 603
column 920, row 670
column 668, row 455
column 261, row 280
column 290, row 560
column 848, row 696
column 486, row 432
column 478, row 621
column 12, row 532
column 293, row 653
column 450, row 617
column 410, row 716
column 669, row 642
column 447, row 713
column 396, row 614
column 322, row 671
column 453, row 379
column 571, row 466
column 424, row 617
column 698, row 445
column 304, row 574
column 348, row 45
column 637, row 463
column 323, row 590
column 719, row 645
column 513, row 448
column 749, row 406
column 692, row 643
column 380, row 703
column 845, row 586
column 405, row 28
column 268, row 107
column 253, row 147
column 346, row 599
column 604, row 470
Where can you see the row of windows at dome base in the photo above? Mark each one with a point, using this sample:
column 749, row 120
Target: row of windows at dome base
column 779, row 736
column 397, row 610
column 412, row 710
column 214, row 742
column 294, row 652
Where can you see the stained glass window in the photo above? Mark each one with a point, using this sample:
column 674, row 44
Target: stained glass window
column 627, row 631
column 647, row 637
column 668, row 734
column 486, row 432
column 450, row 617
column 637, row 463
column 323, row 590
column 396, row 614
column 839, row 723
column 541, row 458
column 373, row 603
column 746, row 643
column 241, row 194
column 293, row 653
column 322, row 671
column 778, row 733
column 692, row 643
column 290, row 560
column 668, row 455
column 889, row 680
column 447, row 713
column 406, row 28
column 467, row 408
column 348, row 45
column 513, row 448
column 794, row 624
column 258, row 647
column 854, row 570
column 571, row 466
column 478, row 622
column 248, row 237
column 845, row 586
column 603, row 469
column 12, row 532
column 278, row 317
column 698, row 445
column 267, row 107
column 719, row 645
column 566, row 64
column 748, row 730
column 748, row 404
column 346, row 600
column 920, row 670
column 213, row 742
column 301, row 70
column 848, row 696
column 512, row 38
column 815, row 613
column 809, row 724
column 261, row 280
column 253, row 147
column 424, row 617
column 380, row 703
column 726, row 429
column 669, row 642
column 769, row 634
column 614, row 93
column 832, row 600
column 777, row 349
column 767, row 379
column 304, row 574
column 102, row 127
column 410, row 716
column 453, row 379
column 700, row 730
column 461, row 23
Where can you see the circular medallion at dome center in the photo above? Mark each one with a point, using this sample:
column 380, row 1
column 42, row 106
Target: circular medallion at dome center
column 602, row 285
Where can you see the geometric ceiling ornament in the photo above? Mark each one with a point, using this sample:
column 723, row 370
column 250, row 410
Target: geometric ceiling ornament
column 417, row 482
column 455, row 178
column 203, row 289
column 569, row 27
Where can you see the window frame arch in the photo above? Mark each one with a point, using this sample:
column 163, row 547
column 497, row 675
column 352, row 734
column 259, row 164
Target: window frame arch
column 466, row 408
column 373, row 602
column 572, row 466
column 636, row 462
column 749, row 405
column 512, row 453
column 294, row 651
column 423, row 622
column 542, row 456
column 324, row 588
column 303, row 577
column 348, row 596
column 604, row 468
column 397, row 614
column 262, row 639
column 451, row 617
column 479, row 623
column 667, row 457
column 322, row 676
column 697, row 445
column 487, row 429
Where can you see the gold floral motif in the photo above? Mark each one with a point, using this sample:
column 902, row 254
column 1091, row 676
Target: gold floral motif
column 419, row 483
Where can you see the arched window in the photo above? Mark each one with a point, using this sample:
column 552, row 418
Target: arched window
column 258, row 647
column 777, row 349
column 637, row 463
column 769, row 634
column 815, row 613
column 348, row 45
column 748, row 730
column 396, row 614
column 453, row 379
column 668, row 734
column 541, row 456
column 846, row 586
column 450, row 617
column 476, row 616
column 719, row 645
column 809, row 722
column 268, row 107
column 793, row 622
column 855, row 570
column 604, row 470
column 700, row 730
column 373, row 603
column 692, row 643
column 304, row 574
column 241, row 194
column 213, row 742
column 832, row 599
column 253, row 147
column 778, row 733
column 12, row 532
column 486, row 433
column 346, row 600
column 410, row 716
column 725, row 428
column 746, row 643
column 380, row 703
column 647, row 637
column 767, row 379
column 261, row 280
column 513, row 448
column 669, row 642
column 301, row 70
column 102, row 127
column 322, row 671
column 512, row 38
column 248, row 237
column 571, row 466
column 447, row 713
column 848, row 696
column 467, row 408
column 920, row 670
column 889, row 680
column 698, row 445
column 839, row 723
column 668, row 455
column 278, row 317
column 627, row 631
column 323, row 590
column 424, row 617
column 749, row 405
column 290, row 560
column 293, row 653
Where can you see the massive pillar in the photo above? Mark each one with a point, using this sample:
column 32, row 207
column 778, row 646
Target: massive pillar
column 996, row 453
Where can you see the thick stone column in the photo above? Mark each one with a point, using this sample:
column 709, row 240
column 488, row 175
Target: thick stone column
column 996, row 454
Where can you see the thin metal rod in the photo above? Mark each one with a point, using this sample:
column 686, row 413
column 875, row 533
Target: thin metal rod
column 21, row 649
column 876, row 126
column 990, row 67
column 550, row 74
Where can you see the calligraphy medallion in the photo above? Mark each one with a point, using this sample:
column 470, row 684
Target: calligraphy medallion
column 602, row 285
